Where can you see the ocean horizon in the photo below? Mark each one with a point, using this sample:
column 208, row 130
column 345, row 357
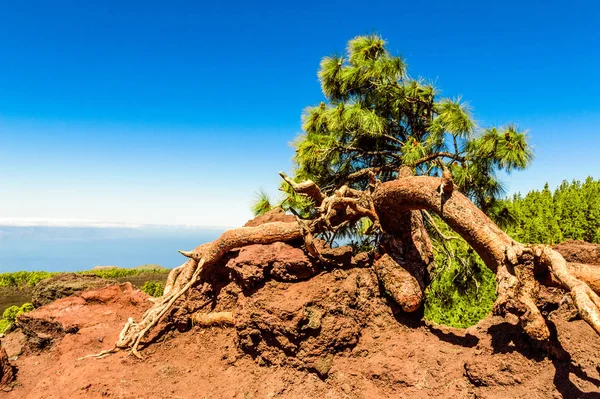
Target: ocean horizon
column 76, row 248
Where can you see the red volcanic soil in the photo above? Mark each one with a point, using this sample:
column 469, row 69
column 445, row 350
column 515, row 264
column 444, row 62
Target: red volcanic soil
column 578, row 251
column 299, row 333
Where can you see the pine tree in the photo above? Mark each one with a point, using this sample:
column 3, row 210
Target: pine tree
column 571, row 212
column 375, row 118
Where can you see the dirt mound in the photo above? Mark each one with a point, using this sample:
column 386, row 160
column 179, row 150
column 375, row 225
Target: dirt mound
column 579, row 252
column 256, row 263
column 67, row 316
column 300, row 330
column 306, row 324
column 274, row 215
column 64, row 285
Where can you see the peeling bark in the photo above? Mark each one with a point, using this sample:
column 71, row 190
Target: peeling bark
column 407, row 242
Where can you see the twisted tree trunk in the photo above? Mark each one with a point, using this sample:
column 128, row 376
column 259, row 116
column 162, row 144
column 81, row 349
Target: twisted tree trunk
column 410, row 255
column 519, row 268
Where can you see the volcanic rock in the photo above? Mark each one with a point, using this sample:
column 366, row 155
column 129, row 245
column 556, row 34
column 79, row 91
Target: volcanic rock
column 305, row 324
column 7, row 372
column 281, row 261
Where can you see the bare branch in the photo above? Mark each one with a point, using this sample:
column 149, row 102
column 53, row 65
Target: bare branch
column 435, row 155
column 364, row 172
column 392, row 138
column 308, row 188
column 436, row 228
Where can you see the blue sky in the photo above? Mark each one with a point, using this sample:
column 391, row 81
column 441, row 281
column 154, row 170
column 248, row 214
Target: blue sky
column 177, row 112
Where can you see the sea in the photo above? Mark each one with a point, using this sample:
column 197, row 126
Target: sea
column 59, row 248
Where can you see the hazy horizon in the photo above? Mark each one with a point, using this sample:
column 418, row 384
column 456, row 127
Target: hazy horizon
column 76, row 248
column 57, row 222
column 83, row 223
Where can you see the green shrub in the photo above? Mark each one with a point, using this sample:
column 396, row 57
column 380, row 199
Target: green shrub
column 4, row 324
column 460, row 298
column 10, row 315
column 23, row 279
column 463, row 289
column 118, row 272
column 153, row 288
column 27, row 307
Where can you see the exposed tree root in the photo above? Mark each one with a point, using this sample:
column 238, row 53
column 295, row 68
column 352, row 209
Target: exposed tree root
column 399, row 283
column 585, row 299
column 101, row 354
column 181, row 279
column 513, row 262
column 132, row 333
column 212, row 319
column 393, row 204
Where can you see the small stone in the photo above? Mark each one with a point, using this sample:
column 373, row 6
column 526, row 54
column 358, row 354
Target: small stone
column 314, row 316
column 323, row 365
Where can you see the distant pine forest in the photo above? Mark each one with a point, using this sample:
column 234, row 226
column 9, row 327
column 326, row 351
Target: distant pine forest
column 572, row 211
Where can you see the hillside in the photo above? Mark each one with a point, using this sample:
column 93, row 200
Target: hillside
column 332, row 334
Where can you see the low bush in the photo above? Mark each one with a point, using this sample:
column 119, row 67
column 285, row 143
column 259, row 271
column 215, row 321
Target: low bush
column 23, row 279
column 119, row 272
column 153, row 288
column 10, row 315
column 460, row 297
column 463, row 289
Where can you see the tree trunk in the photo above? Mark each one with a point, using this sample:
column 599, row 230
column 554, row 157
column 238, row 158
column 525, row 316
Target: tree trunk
column 407, row 243
column 516, row 265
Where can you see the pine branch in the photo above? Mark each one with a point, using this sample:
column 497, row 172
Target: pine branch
column 435, row 155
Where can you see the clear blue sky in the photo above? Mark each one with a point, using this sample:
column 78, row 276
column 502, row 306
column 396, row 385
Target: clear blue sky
column 177, row 112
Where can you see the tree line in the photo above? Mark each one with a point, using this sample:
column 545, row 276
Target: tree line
column 572, row 211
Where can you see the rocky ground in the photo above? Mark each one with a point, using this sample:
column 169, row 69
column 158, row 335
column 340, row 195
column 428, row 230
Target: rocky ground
column 579, row 252
column 299, row 332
